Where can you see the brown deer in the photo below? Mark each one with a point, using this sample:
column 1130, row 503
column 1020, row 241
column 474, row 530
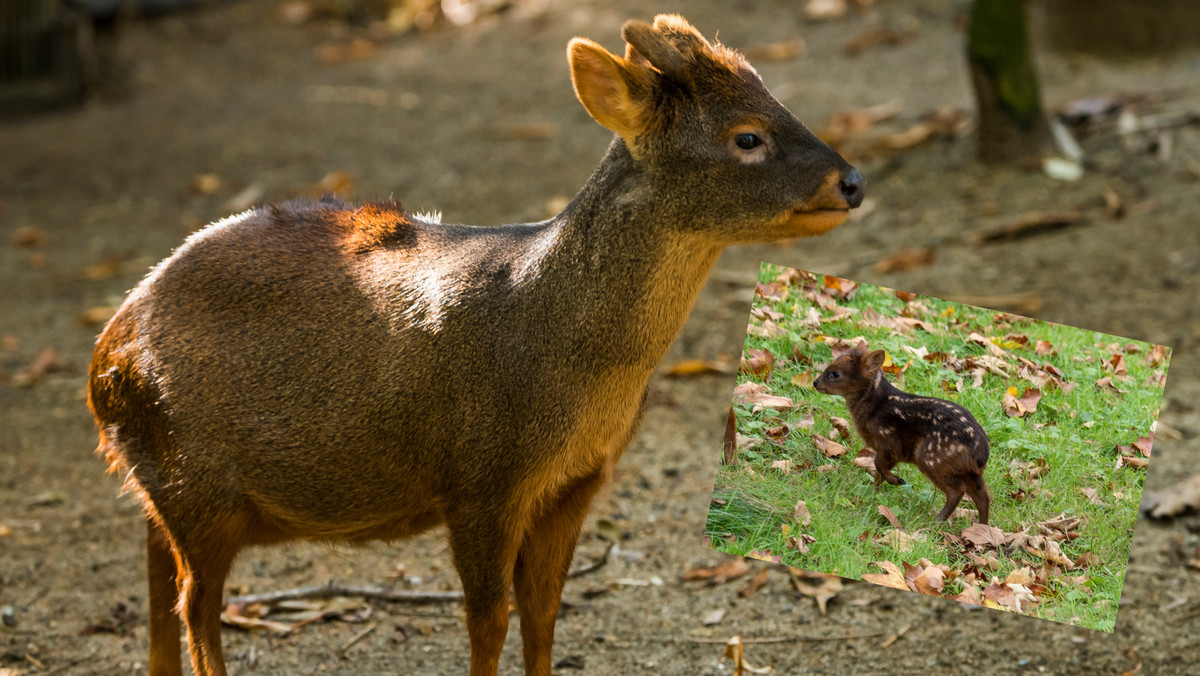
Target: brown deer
column 328, row 372
column 940, row 437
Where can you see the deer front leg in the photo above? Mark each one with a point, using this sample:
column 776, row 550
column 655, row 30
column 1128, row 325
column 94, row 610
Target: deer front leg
column 484, row 553
column 884, row 462
column 542, row 566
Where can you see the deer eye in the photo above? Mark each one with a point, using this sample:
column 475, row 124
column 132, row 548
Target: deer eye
column 747, row 141
column 834, row 375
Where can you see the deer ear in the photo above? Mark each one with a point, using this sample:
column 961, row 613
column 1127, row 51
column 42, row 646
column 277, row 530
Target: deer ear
column 604, row 83
column 874, row 360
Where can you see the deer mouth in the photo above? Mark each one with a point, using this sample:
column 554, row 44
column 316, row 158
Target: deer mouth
column 810, row 222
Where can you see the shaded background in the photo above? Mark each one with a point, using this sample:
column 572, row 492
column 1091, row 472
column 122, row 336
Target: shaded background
column 203, row 111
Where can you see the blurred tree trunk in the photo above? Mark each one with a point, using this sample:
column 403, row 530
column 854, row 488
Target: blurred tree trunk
column 1012, row 127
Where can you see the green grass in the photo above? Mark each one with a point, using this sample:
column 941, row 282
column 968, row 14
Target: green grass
column 1076, row 434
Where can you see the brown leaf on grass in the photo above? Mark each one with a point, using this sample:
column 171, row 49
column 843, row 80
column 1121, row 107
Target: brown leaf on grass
column 1178, row 499
column 896, row 539
column 800, row 514
column 1026, row 404
column 865, row 459
column 1117, row 364
column 982, row 535
column 696, row 367
column 907, row 259
column 756, row 394
column 1135, row 463
column 1144, row 444
column 800, row 542
column 1157, row 355
column 1009, row 595
column 888, row 514
column 1107, row 382
column 891, row 576
column 839, row 287
column 757, row 582
column 841, row 425
column 930, row 580
column 784, row 466
column 251, row 616
column 979, row 339
column 970, row 595
column 906, row 296
column 768, row 329
column 828, row 447
column 821, row 587
column 1092, row 495
column 762, row 555
column 771, row 292
column 757, row 362
column 1043, row 348
column 1087, row 560
column 1032, row 224
column 730, row 569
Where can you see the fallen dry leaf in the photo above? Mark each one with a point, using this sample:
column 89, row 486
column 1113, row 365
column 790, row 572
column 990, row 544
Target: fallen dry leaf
column 1031, row 224
column 757, row 582
column 800, row 542
column 823, row 10
column 696, row 367
column 829, row 447
column 891, row 576
column 931, row 580
column 1173, row 501
column 888, row 514
column 757, row 362
column 784, row 466
column 775, row 51
column 46, row 362
column 841, row 425
column 1026, row 404
column 28, row 237
column 1157, row 355
column 735, row 651
column 982, row 535
column 879, row 37
column 821, row 587
column 730, row 569
column 800, row 514
column 907, row 259
column 714, row 617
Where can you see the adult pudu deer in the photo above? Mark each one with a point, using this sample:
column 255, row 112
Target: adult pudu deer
column 329, row 372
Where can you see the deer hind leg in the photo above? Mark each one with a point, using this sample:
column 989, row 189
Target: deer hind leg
column 954, row 493
column 978, row 492
column 484, row 553
column 164, row 595
column 204, row 558
column 542, row 565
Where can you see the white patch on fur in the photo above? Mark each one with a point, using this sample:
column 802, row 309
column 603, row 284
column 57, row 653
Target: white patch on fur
column 428, row 216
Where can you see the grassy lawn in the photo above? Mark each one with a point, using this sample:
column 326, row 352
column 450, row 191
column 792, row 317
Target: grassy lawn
column 1063, row 408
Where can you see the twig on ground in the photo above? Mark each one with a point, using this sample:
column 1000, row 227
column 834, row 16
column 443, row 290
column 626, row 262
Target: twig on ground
column 324, row 591
column 357, row 637
column 894, row 637
column 594, row 565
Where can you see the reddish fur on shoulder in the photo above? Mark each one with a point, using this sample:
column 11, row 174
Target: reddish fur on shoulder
column 371, row 225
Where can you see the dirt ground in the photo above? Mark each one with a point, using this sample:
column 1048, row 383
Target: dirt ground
column 481, row 123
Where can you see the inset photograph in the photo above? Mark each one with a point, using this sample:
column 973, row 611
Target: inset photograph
column 937, row 447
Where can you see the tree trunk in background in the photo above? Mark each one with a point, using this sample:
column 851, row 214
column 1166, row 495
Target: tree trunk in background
column 1012, row 127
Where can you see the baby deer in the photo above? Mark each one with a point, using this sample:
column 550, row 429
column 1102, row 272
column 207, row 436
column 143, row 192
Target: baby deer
column 940, row 437
column 322, row 371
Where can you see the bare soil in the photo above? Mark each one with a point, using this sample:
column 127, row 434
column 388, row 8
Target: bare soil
column 481, row 123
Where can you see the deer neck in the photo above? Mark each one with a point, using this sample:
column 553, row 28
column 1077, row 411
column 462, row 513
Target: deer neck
column 632, row 271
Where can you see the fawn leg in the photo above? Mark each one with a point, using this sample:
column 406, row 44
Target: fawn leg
column 542, row 565
column 954, row 493
column 884, row 462
column 164, row 594
column 978, row 492
column 484, row 553
column 200, row 588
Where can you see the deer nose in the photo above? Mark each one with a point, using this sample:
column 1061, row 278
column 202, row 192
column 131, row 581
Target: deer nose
column 852, row 187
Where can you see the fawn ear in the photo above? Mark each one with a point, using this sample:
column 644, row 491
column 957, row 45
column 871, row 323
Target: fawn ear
column 654, row 47
column 874, row 360
column 605, row 84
